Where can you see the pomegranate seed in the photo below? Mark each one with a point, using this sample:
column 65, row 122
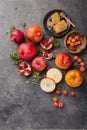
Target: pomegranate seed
column 58, row 92
column 72, row 94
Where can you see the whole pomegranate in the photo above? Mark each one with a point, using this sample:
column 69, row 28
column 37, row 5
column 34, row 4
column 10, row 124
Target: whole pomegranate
column 27, row 51
column 34, row 33
column 17, row 36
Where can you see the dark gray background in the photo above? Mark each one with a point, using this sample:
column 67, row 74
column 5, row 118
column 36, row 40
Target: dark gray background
column 25, row 106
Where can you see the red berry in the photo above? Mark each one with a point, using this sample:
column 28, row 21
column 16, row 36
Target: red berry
column 79, row 60
column 64, row 92
column 61, row 105
column 55, row 99
column 75, row 57
column 58, row 92
column 56, row 104
column 72, row 93
column 82, row 69
column 82, row 64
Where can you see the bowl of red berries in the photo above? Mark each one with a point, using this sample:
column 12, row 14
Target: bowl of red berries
column 75, row 42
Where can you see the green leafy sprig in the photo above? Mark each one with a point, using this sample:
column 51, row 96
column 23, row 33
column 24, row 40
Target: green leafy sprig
column 16, row 58
column 56, row 43
column 23, row 24
column 35, row 77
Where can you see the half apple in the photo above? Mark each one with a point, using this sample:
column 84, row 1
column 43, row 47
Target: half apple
column 54, row 74
column 47, row 85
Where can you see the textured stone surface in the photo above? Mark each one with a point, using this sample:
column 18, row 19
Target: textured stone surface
column 25, row 106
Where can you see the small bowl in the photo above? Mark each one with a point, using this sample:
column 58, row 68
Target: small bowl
column 75, row 48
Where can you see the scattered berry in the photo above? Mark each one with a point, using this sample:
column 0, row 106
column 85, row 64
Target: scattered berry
column 82, row 64
column 56, row 104
column 64, row 92
column 70, row 38
column 55, row 99
column 72, row 93
column 76, row 57
column 58, row 92
column 60, row 105
column 73, row 40
column 79, row 60
column 82, row 68
column 76, row 37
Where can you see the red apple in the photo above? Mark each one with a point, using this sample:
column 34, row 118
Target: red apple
column 63, row 60
column 27, row 51
column 39, row 63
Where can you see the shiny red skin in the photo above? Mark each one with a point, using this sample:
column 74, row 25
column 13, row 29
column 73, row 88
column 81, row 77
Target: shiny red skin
column 63, row 60
column 34, row 33
column 39, row 64
column 27, row 51
column 17, row 36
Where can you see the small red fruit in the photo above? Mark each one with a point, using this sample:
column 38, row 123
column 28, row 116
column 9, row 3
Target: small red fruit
column 39, row 63
column 82, row 69
column 64, row 92
column 56, row 104
column 82, row 64
column 79, row 60
column 75, row 57
column 72, row 93
column 60, row 105
column 17, row 36
column 55, row 99
column 57, row 92
column 24, row 68
column 27, row 51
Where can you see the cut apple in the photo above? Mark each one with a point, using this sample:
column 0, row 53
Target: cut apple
column 47, row 85
column 54, row 74
column 24, row 68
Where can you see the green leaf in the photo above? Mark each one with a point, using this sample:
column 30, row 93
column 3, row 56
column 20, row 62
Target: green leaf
column 23, row 24
column 11, row 29
column 56, row 43
column 35, row 77
column 7, row 32
column 16, row 58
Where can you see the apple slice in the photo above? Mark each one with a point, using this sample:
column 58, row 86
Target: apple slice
column 54, row 74
column 47, row 85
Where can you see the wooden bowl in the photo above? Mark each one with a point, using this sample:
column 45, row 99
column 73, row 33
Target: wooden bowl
column 75, row 48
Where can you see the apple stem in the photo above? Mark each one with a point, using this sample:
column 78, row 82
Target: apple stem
column 21, row 52
column 37, row 62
